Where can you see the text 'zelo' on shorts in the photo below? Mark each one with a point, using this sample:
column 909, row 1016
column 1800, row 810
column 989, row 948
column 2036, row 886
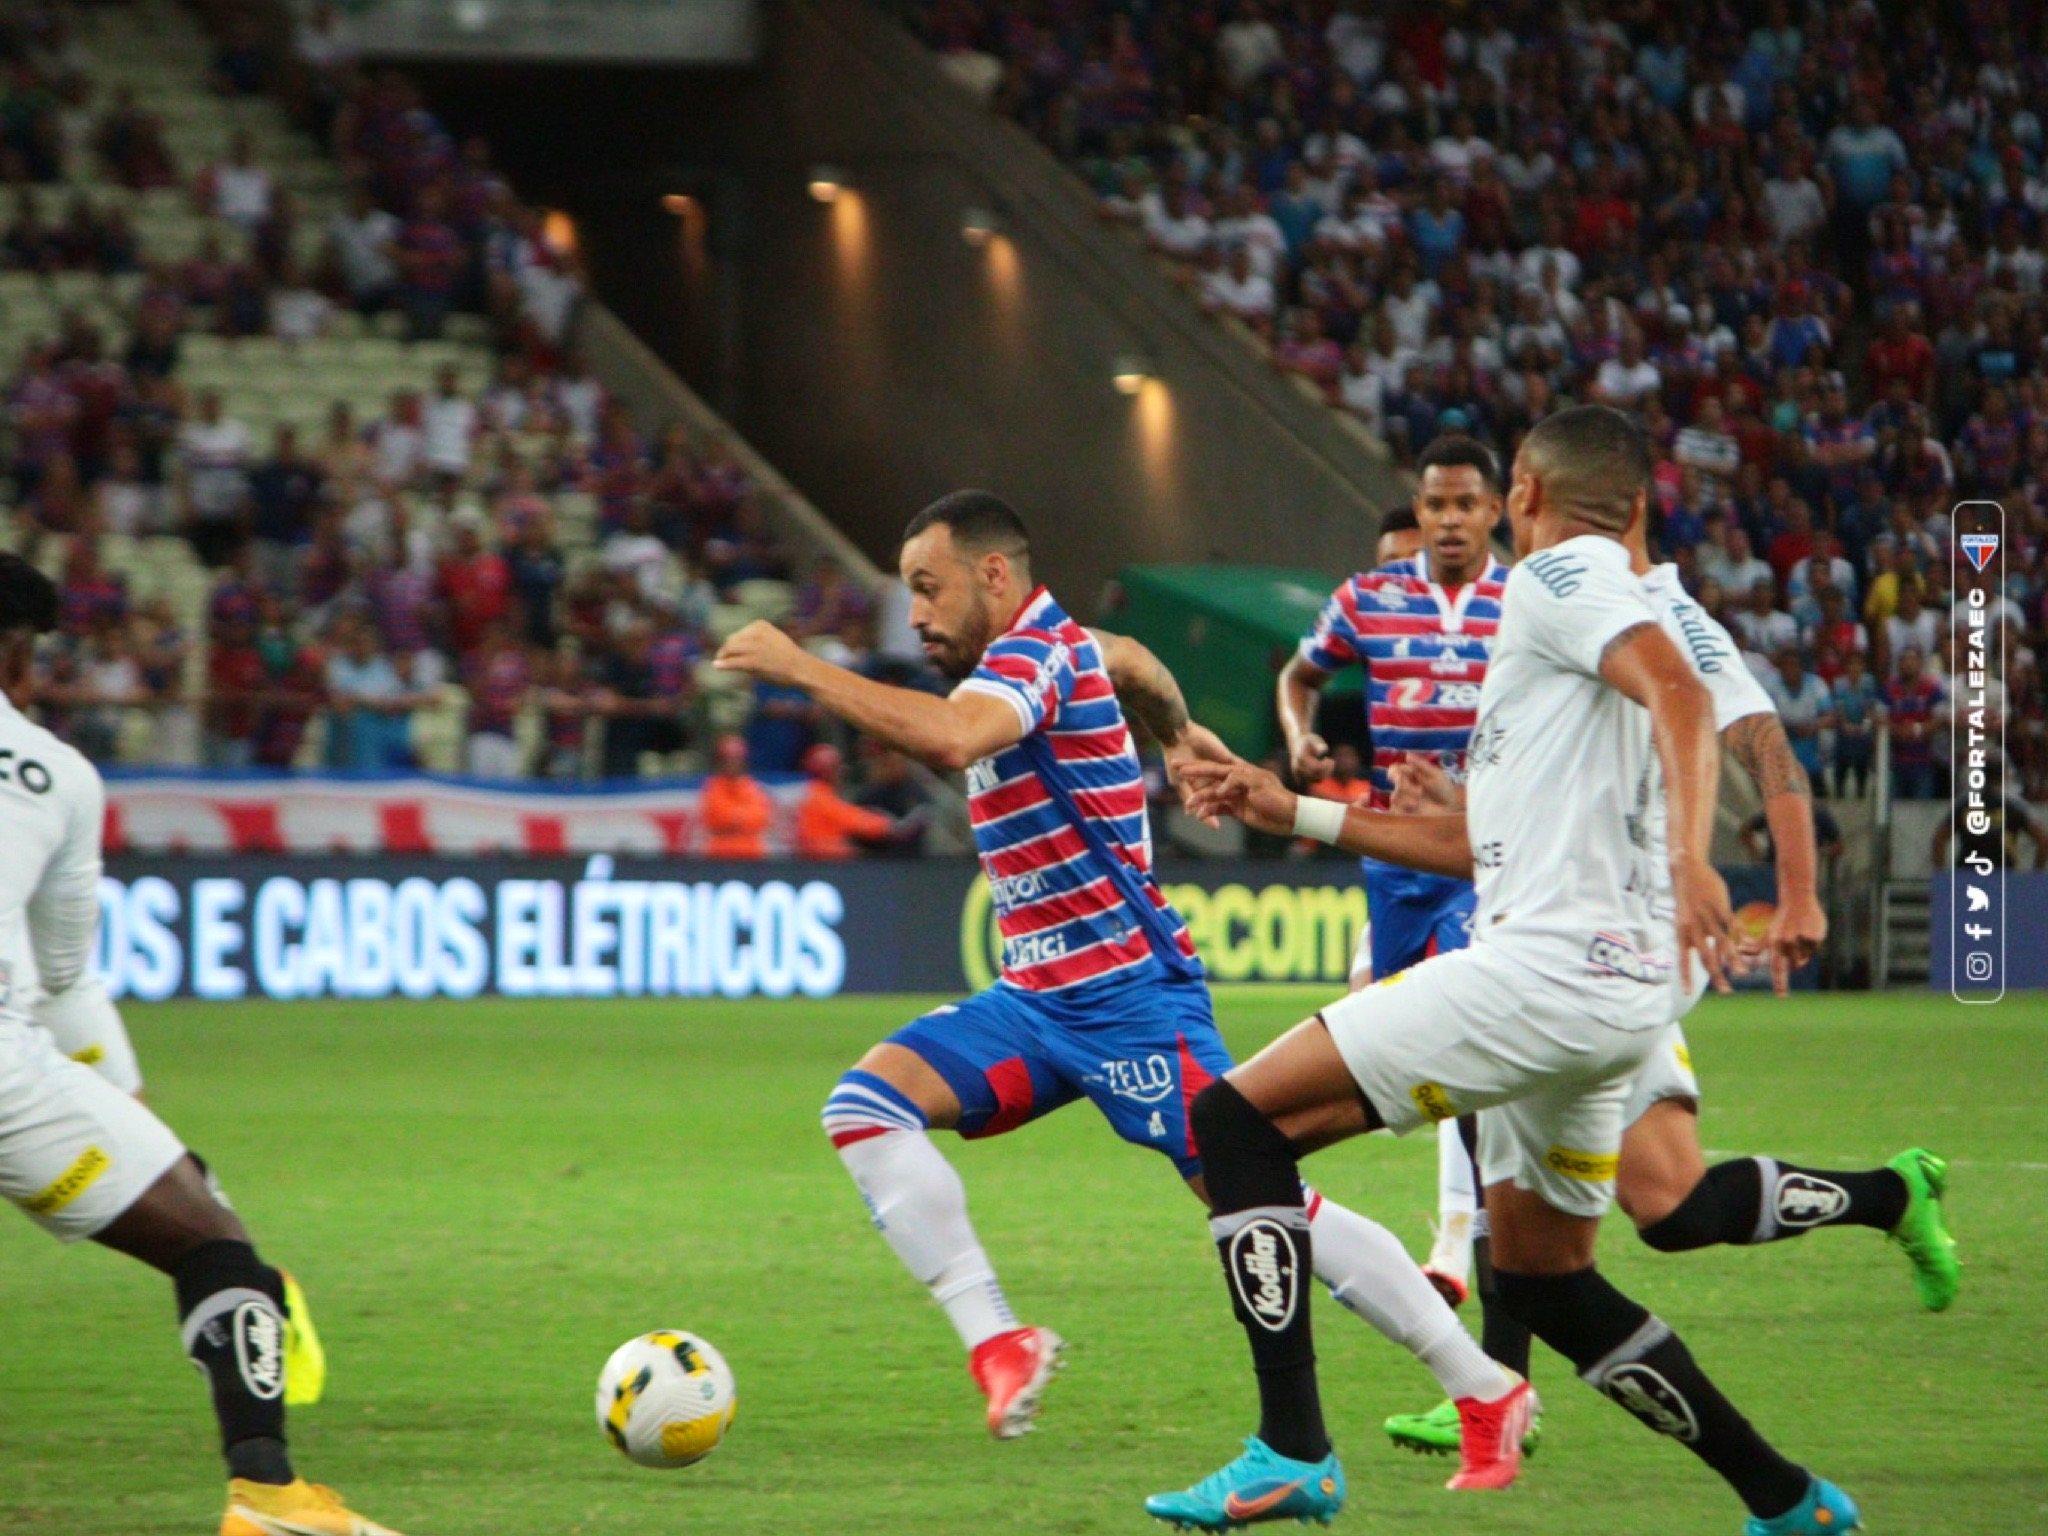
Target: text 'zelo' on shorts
column 75, row 1151
column 1476, row 1030
column 1140, row 1051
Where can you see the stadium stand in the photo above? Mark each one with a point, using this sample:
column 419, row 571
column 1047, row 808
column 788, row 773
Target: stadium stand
column 294, row 410
column 1815, row 273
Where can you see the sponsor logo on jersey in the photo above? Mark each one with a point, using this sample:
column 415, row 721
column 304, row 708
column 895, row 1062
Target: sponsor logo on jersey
column 1013, row 890
column 1146, row 1081
column 1805, row 1201
column 1262, row 1271
column 1645, row 1393
column 1588, row 1167
column 1033, row 949
column 74, row 1181
column 259, row 1349
column 1431, row 1099
column 1610, row 955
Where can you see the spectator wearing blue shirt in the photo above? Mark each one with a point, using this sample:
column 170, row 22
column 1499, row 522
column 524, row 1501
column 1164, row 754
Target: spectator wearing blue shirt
column 1859, row 710
column 1807, row 709
column 1437, row 229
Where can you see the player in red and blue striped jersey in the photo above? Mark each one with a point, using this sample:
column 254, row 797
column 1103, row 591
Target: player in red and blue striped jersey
column 1101, row 994
column 1422, row 627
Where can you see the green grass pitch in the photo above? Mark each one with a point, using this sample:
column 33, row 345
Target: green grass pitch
column 484, row 1198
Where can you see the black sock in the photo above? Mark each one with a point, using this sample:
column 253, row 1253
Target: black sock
column 1501, row 1334
column 232, row 1307
column 1261, row 1233
column 1760, row 1200
column 1640, row 1363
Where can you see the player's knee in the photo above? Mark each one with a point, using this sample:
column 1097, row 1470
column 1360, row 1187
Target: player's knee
column 1650, row 1201
column 864, row 1104
column 1246, row 1160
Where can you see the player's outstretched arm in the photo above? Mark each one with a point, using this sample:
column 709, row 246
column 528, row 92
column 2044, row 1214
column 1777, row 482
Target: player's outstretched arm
column 1642, row 664
column 1759, row 743
column 947, row 733
column 1436, row 844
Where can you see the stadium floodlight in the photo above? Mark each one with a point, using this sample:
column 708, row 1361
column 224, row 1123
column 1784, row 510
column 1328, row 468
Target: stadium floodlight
column 827, row 182
column 1130, row 372
column 978, row 226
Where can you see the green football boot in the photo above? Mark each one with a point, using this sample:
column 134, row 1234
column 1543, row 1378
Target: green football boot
column 1435, row 1433
column 1923, row 1231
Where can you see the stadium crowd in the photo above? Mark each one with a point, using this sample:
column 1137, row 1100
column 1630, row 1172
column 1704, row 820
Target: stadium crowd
column 1804, row 241
column 498, row 556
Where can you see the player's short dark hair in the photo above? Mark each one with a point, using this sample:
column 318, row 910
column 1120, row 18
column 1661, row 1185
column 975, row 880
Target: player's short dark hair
column 1594, row 460
column 1401, row 519
column 28, row 598
column 1454, row 450
column 980, row 522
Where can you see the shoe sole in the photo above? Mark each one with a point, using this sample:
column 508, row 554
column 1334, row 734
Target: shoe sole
column 1016, row 1421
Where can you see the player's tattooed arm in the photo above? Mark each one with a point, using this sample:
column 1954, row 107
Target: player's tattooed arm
column 1758, row 742
column 1148, row 692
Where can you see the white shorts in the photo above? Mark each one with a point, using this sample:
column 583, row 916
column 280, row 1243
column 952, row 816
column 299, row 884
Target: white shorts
column 1667, row 1074
column 75, row 1151
column 1475, row 1030
column 87, row 1027
column 1361, row 957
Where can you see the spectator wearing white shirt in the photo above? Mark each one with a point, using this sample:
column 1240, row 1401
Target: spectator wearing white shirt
column 1761, row 626
column 1248, row 227
column 398, row 442
column 1247, row 47
column 1628, row 380
column 238, row 189
column 1409, row 304
column 1548, row 251
column 450, row 426
column 1708, row 448
column 362, row 239
column 298, row 311
column 1732, row 564
column 1912, row 628
column 1174, row 228
column 1233, row 287
column 1793, row 204
column 212, row 455
column 1361, row 389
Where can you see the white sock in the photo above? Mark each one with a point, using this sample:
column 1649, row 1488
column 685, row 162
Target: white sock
column 1370, row 1273
column 920, row 1208
column 1457, row 1204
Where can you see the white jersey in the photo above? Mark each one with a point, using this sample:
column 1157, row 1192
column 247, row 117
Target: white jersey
column 1563, row 788
column 52, row 806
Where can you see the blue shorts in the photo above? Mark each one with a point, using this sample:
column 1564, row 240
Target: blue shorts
column 1415, row 916
column 1141, row 1051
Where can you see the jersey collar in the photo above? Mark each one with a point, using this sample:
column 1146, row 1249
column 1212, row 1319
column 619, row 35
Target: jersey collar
column 1034, row 612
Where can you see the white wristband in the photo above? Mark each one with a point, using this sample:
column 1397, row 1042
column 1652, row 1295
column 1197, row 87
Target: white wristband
column 1322, row 820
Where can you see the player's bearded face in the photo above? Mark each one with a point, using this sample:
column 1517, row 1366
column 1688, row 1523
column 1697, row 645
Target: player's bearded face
column 954, row 643
column 950, row 607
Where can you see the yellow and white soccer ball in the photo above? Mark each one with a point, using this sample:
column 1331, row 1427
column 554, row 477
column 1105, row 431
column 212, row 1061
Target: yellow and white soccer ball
column 666, row 1399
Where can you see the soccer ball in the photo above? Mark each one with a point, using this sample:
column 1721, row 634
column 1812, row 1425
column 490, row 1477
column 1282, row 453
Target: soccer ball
column 666, row 1399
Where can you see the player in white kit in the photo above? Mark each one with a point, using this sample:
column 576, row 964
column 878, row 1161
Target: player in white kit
column 1588, row 714
column 1676, row 1201
column 85, row 1160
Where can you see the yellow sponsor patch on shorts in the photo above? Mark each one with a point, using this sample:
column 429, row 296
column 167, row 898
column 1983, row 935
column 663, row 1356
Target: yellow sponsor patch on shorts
column 1431, row 1099
column 69, row 1185
column 1388, row 981
column 91, row 1056
column 1593, row 1167
column 1684, row 1055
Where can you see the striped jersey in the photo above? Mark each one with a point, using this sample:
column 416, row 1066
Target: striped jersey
column 1063, row 918
column 1424, row 648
